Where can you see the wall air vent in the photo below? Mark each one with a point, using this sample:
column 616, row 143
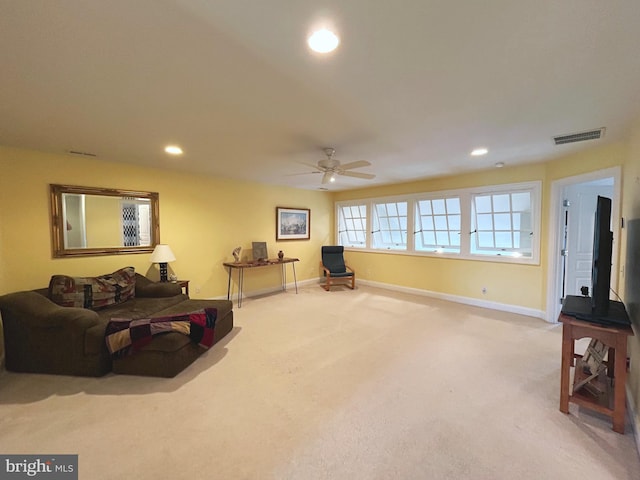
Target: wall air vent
column 81, row 154
column 579, row 137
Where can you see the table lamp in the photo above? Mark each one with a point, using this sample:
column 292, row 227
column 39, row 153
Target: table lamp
column 161, row 255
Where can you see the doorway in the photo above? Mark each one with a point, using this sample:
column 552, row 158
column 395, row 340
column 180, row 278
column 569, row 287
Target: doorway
column 571, row 220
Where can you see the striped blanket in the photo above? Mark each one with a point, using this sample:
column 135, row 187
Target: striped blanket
column 125, row 336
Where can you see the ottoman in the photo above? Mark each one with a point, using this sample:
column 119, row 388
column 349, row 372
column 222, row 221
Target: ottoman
column 170, row 353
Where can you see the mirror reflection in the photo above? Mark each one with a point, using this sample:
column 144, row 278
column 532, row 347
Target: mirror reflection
column 97, row 221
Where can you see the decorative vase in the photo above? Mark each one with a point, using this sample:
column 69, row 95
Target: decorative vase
column 280, row 255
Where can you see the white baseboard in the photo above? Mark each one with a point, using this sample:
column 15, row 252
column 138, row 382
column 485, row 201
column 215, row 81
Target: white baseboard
column 530, row 312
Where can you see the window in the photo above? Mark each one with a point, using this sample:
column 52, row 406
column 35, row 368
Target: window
column 352, row 225
column 437, row 225
column 136, row 217
column 389, row 226
column 498, row 223
column 502, row 224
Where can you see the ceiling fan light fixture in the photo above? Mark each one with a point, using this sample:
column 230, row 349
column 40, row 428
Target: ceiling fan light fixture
column 331, row 168
column 323, row 41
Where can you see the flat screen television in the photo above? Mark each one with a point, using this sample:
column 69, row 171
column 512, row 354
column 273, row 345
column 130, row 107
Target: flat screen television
column 597, row 308
column 601, row 261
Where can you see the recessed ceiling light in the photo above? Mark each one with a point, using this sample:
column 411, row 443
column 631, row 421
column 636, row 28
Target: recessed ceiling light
column 499, row 164
column 323, row 41
column 173, row 150
column 479, row 151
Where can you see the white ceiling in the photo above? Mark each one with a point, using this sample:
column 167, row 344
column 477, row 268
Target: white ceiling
column 414, row 86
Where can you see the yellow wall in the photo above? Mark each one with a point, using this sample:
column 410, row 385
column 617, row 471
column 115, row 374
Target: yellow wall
column 519, row 285
column 202, row 218
column 631, row 210
column 103, row 224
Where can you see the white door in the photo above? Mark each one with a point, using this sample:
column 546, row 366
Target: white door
column 580, row 205
column 566, row 275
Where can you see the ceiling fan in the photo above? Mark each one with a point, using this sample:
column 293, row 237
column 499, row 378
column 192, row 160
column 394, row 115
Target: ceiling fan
column 331, row 167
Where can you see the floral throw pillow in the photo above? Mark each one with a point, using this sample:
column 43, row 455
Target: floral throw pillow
column 93, row 292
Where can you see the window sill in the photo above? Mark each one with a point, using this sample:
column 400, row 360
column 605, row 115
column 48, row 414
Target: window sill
column 479, row 258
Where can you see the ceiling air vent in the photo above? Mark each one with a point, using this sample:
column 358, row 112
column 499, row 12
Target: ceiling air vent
column 81, row 154
column 579, row 137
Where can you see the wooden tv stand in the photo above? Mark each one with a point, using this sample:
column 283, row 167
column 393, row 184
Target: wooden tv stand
column 613, row 402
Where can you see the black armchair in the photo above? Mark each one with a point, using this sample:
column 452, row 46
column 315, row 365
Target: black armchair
column 335, row 268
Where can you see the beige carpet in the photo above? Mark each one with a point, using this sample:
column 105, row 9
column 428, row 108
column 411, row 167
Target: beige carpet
column 364, row 384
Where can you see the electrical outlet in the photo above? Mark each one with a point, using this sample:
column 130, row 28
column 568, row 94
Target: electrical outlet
column 198, row 289
column 484, row 290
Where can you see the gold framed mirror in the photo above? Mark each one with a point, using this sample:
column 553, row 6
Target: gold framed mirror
column 103, row 221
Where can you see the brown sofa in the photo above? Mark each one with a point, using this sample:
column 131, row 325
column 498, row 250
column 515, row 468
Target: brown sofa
column 41, row 336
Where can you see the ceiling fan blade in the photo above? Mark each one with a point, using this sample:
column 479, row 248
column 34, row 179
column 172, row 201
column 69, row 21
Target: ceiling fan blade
column 368, row 176
column 311, row 165
column 358, row 164
column 301, row 173
column 316, row 169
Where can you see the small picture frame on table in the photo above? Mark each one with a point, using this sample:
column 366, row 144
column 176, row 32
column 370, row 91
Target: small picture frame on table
column 259, row 251
column 293, row 223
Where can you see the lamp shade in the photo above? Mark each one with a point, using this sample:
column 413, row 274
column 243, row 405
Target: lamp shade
column 162, row 254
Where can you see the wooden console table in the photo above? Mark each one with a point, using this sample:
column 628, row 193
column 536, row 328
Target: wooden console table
column 614, row 337
column 242, row 266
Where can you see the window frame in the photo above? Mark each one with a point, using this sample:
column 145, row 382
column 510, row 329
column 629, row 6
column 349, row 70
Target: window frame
column 438, row 247
column 392, row 229
column 494, row 230
column 535, row 189
column 466, row 196
column 339, row 216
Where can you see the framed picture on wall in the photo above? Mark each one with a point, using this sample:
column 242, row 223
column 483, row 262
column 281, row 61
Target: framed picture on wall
column 293, row 223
